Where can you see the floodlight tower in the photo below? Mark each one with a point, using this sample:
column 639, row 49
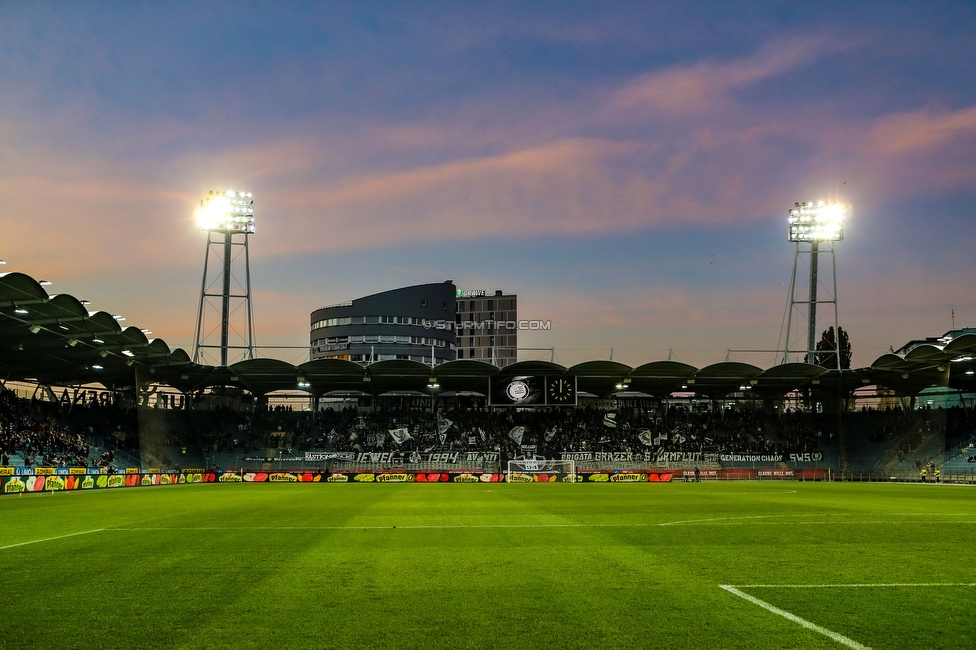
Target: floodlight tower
column 228, row 218
column 810, row 225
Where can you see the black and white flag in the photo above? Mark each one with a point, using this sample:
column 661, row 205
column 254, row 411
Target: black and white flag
column 400, row 435
column 516, row 434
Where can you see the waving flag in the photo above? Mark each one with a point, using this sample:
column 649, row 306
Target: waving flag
column 516, row 434
column 401, row 435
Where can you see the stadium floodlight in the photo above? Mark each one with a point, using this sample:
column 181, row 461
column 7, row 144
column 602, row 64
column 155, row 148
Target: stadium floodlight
column 228, row 218
column 813, row 223
column 227, row 212
column 817, row 222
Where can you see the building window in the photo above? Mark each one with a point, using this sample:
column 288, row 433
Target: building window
column 471, row 356
column 460, row 354
column 461, row 306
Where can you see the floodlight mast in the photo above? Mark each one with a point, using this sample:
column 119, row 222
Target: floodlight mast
column 815, row 223
column 226, row 215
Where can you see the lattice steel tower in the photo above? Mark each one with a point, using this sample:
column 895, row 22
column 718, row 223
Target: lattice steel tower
column 812, row 225
column 228, row 218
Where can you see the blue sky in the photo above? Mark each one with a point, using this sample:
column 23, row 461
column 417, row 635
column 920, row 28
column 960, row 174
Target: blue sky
column 626, row 168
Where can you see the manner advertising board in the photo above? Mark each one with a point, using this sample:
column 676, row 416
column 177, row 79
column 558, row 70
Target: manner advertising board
column 24, row 483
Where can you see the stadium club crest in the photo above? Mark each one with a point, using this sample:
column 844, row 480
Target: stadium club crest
column 517, row 390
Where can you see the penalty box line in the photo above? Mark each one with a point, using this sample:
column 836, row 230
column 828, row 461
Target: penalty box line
column 881, row 585
column 839, row 638
column 51, row 539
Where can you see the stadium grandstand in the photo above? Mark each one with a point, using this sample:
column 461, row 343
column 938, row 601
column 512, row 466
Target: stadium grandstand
column 106, row 396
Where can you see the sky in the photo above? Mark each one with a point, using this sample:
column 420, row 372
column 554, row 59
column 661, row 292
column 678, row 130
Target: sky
column 626, row 168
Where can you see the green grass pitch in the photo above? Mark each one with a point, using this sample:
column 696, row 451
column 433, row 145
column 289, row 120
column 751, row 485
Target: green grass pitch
column 491, row 565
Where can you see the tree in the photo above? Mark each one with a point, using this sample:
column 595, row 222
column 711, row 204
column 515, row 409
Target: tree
column 826, row 355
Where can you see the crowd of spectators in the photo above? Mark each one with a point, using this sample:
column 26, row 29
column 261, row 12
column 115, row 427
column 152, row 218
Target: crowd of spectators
column 624, row 429
column 31, row 428
column 55, row 434
column 52, row 434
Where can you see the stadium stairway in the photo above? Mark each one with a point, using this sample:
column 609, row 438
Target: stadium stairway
column 930, row 450
column 866, row 455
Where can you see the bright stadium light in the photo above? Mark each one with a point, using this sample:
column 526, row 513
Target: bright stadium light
column 227, row 212
column 810, row 225
column 228, row 219
column 818, row 221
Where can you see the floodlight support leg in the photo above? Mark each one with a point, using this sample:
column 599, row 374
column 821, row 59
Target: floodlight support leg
column 203, row 294
column 812, row 331
column 833, row 259
column 250, row 310
column 791, row 302
column 225, row 301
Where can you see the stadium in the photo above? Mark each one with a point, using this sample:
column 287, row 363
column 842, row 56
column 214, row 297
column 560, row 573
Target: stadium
column 716, row 506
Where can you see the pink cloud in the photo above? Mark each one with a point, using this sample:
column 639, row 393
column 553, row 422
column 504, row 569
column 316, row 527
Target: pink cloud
column 921, row 132
column 702, row 86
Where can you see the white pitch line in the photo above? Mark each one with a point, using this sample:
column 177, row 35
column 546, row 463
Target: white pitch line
column 387, row 527
column 731, row 521
column 857, row 585
column 51, row 539
column 822, row 523
column 839, row 638
column 722, row 521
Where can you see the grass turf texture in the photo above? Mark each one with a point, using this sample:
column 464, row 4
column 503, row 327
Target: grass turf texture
column 395, row 566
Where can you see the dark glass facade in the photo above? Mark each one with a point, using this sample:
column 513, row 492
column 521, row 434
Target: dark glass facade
column 415, row 323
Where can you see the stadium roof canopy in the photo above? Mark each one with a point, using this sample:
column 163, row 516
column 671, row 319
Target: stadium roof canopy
column 55, row 340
